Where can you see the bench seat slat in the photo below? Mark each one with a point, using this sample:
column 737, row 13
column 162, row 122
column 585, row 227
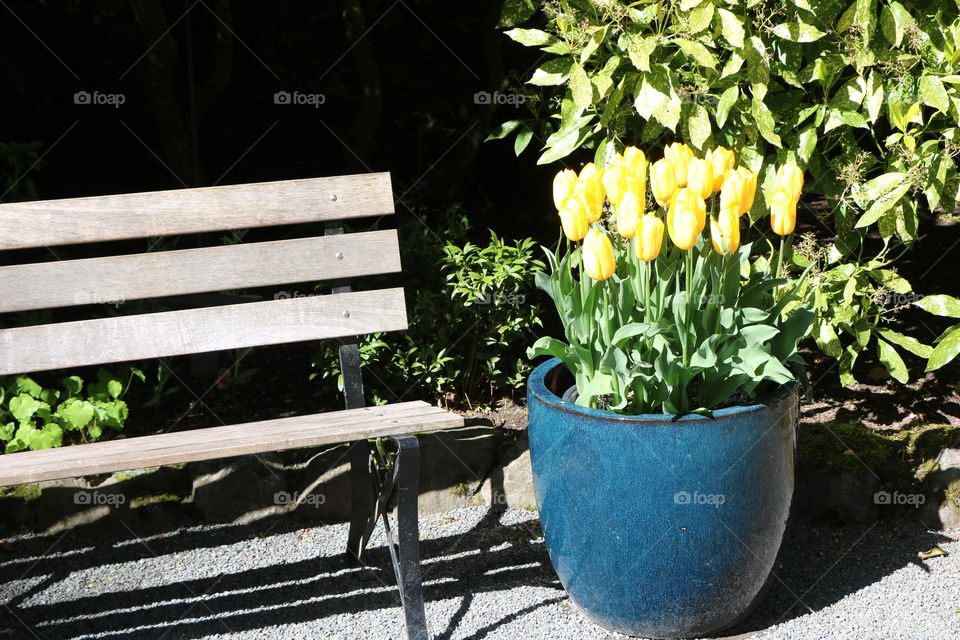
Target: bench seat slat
column 154, row 335
column 163, row 213
column 220, row 442
column 170, row 273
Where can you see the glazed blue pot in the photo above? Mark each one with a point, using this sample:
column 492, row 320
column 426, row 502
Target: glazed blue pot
column 657, row 527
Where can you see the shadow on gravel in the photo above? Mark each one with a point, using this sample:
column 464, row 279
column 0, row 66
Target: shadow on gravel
column 817, row 567
column 496, row 557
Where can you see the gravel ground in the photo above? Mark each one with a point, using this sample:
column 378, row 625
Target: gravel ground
column 487, row 577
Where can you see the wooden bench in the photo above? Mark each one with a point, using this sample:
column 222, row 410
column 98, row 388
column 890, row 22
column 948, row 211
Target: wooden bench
column 343, row 314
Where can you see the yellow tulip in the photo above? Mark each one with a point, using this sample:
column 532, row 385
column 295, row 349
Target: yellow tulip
column 649, row 237
column 783, row 212
column 749, row 189
column 725, row 230
column 615, row 181
column 573, row 217
column 598, row 259
column 790, row 179
column 629, row 210
column 635, row 162
column 686, row 218
column 696, row 204
column 663, row 181
column 563, row 184
column 732, row 191
column 589, row 186
column 638, row 188
column 679, row 156
column 721, row 160
column 700, row 177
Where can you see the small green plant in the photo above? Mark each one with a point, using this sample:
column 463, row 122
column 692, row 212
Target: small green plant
column 471, row 312
column 34, row 417
column 491, row 282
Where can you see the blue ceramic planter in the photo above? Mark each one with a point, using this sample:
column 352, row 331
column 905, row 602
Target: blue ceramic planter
column 656, row 527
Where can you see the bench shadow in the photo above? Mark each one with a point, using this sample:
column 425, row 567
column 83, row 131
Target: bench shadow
column 818, row 566
column 278, row 594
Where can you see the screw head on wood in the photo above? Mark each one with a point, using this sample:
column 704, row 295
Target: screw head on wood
column 339, row 255
column 346, row 314
column 333, row 197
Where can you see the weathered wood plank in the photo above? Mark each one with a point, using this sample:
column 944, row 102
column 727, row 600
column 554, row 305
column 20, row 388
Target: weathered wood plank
column 220, row 442
column 119, row 339
column 162, row 213
column 116, row 279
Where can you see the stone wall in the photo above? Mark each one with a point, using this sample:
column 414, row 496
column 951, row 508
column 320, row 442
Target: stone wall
column 845, row 475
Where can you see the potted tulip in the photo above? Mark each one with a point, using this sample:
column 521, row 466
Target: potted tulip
column 662, row 431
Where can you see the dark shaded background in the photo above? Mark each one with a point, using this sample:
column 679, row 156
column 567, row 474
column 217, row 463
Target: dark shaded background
column 199, row 78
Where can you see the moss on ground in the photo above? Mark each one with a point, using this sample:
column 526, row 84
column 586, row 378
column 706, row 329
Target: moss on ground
column 142, row 501
column 952, row 492
column 25, row 492
column 903, row 455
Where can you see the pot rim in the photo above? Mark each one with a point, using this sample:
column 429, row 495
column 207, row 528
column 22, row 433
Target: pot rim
column 539, row 390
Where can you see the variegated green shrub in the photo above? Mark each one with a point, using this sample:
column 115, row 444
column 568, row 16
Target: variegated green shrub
column 864, row 94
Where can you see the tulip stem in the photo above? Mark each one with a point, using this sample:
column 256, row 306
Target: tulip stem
column 689, row 289
column 645, row 288
column 783, row 245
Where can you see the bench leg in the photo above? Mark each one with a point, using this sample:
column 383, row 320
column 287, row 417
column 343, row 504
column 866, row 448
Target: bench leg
column 405, row 552
column 363, row 516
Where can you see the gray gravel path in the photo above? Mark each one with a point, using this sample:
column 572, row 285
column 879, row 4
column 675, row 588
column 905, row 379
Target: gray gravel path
column 487, row 577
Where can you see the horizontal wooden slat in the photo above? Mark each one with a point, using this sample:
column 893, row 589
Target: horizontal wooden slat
column 73, row 344
column 163, row 213
column 221, row 442
column 116, row 279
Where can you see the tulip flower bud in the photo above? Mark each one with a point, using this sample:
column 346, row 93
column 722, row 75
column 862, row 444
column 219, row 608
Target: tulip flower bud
column 686, row 218
column 662, row 181
column 783, row 212
column 649, row 237
column 790, row 179
column 629, row 210
column 615, row 182
column 598, row 258
column 700, row 177
column 573, row 217
column 679, row 156
column 635, row 162
column 749, row 189
column 721, row 160
column 589, row 186
column 725, row 230
column 563, row 184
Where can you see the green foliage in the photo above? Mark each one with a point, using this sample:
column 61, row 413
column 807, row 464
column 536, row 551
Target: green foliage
column 33, row 417
column 471, row 313
column 863, row 94
column 642, row 342
column 947, row 345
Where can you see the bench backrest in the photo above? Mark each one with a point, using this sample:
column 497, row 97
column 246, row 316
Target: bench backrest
column 64, row 283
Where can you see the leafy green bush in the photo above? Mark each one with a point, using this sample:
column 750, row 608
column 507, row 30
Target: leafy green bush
column 866, row 92
column 32, row 417
column 470, row 320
